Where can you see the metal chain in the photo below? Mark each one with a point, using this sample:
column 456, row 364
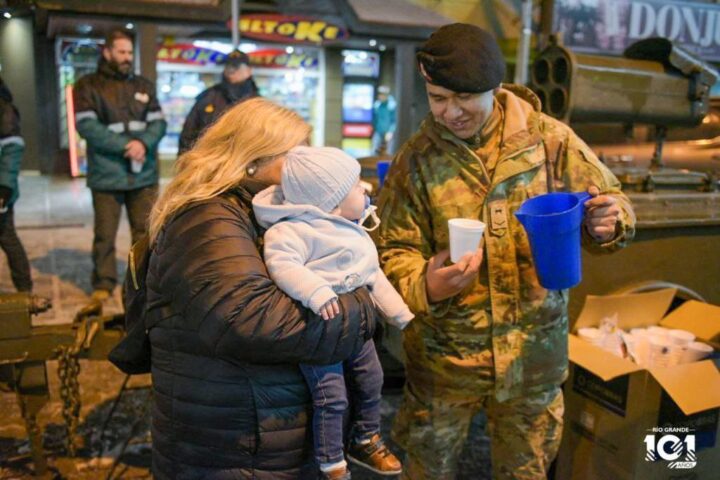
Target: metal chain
column 68, row 371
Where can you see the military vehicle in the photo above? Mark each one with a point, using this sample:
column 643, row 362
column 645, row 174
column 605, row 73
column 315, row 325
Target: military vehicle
column 673, row 184
column 25, row 349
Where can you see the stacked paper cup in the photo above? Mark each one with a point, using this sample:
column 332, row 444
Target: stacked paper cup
column 592, row 335
column 679, row 339
column 696, row 351
column 660, row 349
column 640, row 338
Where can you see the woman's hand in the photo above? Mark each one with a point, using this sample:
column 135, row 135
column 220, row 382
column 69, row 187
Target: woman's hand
column 444, row 282
column 330, row 309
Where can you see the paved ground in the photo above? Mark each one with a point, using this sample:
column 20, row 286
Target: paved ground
column 54, row 219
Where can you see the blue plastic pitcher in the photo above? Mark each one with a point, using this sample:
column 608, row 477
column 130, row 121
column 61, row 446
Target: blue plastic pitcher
column 552, row 222
column 382, row 169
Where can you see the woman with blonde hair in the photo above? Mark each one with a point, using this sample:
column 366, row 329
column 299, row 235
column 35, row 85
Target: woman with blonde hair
column 229, row 399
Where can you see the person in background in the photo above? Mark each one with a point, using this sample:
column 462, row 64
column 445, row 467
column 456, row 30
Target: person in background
column 487, row 336
column 12, row 147
column 237, row 85
column 119, row 116
column 384, row 120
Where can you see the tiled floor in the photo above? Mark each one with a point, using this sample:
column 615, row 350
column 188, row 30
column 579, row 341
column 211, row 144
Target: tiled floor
column 54, row 219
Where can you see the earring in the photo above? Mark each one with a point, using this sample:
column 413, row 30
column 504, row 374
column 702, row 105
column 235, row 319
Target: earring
column 251, row 169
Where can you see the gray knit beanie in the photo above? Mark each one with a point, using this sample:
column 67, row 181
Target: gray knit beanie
column 319, row 176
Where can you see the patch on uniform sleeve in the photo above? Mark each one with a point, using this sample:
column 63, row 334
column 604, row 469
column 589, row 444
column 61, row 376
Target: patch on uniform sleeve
column 498, row 217
column 142, row 97
column 209, row 108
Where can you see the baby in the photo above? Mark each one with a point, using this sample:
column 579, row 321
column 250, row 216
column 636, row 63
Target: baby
column 315, row 249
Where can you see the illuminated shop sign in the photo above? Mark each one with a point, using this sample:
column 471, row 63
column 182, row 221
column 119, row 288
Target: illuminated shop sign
column 290, row 29
column 278, row 58
column 189, row 54
column 610, row 26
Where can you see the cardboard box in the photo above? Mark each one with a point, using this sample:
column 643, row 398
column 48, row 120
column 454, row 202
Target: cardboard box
column 617, row 414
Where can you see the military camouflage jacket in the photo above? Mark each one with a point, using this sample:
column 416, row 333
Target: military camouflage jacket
column 504, row 332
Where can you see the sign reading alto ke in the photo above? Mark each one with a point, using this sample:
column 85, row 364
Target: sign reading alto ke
column 612, row 25
column 290, row 29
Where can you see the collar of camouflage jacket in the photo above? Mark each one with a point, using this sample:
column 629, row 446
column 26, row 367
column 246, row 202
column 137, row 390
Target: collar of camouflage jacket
column 521, row 132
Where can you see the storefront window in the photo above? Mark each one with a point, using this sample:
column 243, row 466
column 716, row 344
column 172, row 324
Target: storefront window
column 288, row 75
column 75, row 57
column 360, row 70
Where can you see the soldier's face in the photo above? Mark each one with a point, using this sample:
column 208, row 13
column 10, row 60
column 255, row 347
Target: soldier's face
column 120, row 55
column 463, row 114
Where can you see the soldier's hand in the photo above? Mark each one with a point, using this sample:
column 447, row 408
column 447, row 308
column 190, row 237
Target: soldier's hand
column 601, row 215
column 135, row 150
column 443, row 282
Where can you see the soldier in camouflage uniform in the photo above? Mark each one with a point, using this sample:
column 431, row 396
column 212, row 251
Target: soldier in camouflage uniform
column 487, row 336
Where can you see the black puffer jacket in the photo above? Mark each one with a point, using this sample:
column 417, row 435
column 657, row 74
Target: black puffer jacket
column 229, row 399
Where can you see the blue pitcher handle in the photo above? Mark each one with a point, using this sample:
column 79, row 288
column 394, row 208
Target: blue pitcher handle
column 582, row 196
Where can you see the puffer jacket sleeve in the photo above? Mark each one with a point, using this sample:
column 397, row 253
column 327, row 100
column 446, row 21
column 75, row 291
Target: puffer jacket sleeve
column 88, row 123
column 579, row 168
column 207, row 260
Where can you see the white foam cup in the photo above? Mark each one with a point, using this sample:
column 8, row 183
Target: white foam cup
column 465, row 236
column 681, row 337
column 639, row 331
column 696, row 351
column 659, row 351
column 592, row 335
column 655, row 330
column 640, row 339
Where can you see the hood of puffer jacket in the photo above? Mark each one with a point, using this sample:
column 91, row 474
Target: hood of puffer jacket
column 270, row 208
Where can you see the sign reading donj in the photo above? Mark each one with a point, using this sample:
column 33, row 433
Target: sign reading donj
column 612, row 25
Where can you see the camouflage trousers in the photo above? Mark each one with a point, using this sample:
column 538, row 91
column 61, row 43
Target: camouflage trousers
column 524, row 432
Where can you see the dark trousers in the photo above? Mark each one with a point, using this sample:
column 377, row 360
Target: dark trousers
column 16, row 256
column 108, row 208
column 330, row 400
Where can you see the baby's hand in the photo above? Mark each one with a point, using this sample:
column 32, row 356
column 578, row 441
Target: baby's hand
column 330, row 309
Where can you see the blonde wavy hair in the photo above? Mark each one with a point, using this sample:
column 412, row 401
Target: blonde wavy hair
column 254, row 130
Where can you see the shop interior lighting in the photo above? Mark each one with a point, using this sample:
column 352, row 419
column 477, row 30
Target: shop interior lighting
column 372, row 42
column 7, row 15
column 217, row 46
column 129, row 25
column 382, row 48
column 83, row 28
column 289, row 50
column 189, row 91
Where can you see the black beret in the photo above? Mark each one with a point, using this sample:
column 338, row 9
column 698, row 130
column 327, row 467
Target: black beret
column 462, row 58
column 236, row 58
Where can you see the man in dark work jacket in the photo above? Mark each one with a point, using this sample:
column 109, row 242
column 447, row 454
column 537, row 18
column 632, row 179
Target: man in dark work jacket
column 237, row 85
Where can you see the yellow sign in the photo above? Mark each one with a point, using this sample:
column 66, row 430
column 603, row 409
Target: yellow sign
column 290, row 29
